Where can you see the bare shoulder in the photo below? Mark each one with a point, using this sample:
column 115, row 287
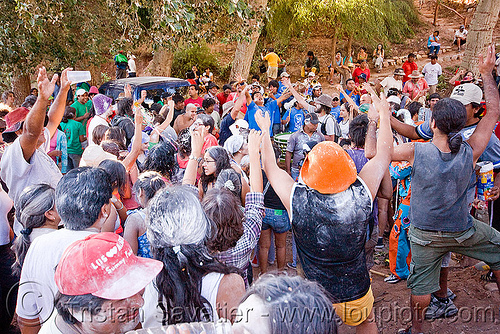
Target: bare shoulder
column 232, row 282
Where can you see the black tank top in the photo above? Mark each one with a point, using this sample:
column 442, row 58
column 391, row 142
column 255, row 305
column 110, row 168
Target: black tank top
column 330, row 233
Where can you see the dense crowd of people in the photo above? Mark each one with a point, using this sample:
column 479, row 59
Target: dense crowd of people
column 130, row 215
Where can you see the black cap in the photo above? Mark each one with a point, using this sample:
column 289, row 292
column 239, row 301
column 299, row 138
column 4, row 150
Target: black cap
column 312, row 118
column 212, row 85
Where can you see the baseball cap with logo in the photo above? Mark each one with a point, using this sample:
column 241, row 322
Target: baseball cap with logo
column 105, row 266
column 467, row 93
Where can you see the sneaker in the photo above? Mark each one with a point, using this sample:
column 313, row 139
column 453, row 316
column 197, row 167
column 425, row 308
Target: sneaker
column 270, row 263
column 450, row 295
column 438, row 309
column 392, row 279
column 291, row 265
column 380, row 243
column 406, row 331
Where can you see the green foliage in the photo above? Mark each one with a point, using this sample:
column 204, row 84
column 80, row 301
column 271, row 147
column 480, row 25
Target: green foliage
column 190, row 55
column 368, row 21
column 58, row 33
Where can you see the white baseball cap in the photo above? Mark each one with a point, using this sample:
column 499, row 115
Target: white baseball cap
column 80, row 91
column 467, row 93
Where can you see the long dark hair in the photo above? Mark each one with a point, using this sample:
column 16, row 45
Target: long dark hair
column 221, row 158
column 224, row 209
column 450, row 117
column 31, row 207
column 178, row 230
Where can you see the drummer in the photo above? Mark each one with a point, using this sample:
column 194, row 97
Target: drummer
column 295, row 145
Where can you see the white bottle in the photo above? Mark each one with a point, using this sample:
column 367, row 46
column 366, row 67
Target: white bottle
column 79, row 76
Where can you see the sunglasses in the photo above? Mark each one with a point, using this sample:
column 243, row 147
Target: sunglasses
column 335, row 99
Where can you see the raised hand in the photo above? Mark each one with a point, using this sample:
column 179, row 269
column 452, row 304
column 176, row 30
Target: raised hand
column 197, row 140
column 65, row 83
column 45, row 87
column 127, row 90
column 487, row 64
column 254, row 140
column 264, row 122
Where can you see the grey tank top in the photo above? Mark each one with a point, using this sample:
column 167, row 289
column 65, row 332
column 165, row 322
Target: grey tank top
column 439, row 184
column 330, row 232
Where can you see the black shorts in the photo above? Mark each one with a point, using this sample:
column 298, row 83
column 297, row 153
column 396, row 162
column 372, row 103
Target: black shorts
column 461, row 43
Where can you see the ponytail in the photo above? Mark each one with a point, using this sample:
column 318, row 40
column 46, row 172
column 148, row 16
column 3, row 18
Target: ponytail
column 31, row 207
column 454, row 141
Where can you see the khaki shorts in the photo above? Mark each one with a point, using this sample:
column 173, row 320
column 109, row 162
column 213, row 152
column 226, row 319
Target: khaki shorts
column 272, row 72
column 353, row 313
column 428, row 248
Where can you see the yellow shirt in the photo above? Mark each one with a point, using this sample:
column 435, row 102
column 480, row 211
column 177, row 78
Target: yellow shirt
column 272, row 59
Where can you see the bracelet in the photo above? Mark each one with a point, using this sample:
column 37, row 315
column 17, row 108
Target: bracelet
column 192, row 157
column 372, row 121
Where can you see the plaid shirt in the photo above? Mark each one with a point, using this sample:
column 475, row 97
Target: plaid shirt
column 239, row 255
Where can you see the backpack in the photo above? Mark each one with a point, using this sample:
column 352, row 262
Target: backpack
column 323, row 125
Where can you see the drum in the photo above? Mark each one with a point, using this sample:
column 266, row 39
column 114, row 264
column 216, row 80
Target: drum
column 282, row 140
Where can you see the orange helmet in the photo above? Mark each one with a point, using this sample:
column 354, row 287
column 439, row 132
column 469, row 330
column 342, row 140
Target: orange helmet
column 328, row 168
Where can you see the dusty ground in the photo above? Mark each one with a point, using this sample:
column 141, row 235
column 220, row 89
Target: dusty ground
column 478, row 307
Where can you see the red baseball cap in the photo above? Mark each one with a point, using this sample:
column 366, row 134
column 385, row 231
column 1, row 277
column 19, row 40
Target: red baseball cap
column 105, row 266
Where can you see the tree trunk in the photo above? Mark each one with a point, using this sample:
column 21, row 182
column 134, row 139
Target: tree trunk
column 245, row 49
column 334, row 46
column 480, row 32
column 161, row 64
column 436, row 12
column 349, row 49
column 21, row 86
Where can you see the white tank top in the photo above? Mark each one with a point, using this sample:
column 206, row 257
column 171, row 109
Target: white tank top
column 152, row 315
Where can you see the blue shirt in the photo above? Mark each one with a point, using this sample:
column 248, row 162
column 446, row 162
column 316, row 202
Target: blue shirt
column 281, row 88
column 355, row 98
column 296, row 119
column 274, row 110
column 335, row 112
column 224, row 132
column 252, row 108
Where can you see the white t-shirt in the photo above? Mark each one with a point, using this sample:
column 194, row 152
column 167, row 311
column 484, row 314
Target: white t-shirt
column 344, row 129
column 461, row 34
column 50, row 327
column 94, row 122
column 390, row 82
column 131, row 65
column 19, row 174
column 153, row 315
column 431, row 73
column 37, row 287
column 330, row 128
column 5, row 206
column 215, row 115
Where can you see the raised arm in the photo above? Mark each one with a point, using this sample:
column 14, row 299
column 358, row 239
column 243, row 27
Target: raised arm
column 56, row 110
column 456, row 76
column 296, row 95
column 197, row 136
column 371, row 133
column 375, row 169
column 254, row 140
column 129, row 161
column 33, row 126
column 348, row 98
column 281, row 182
column 481, row 136
column 239, row 103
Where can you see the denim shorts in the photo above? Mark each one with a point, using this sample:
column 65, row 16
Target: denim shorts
column 277, row 220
